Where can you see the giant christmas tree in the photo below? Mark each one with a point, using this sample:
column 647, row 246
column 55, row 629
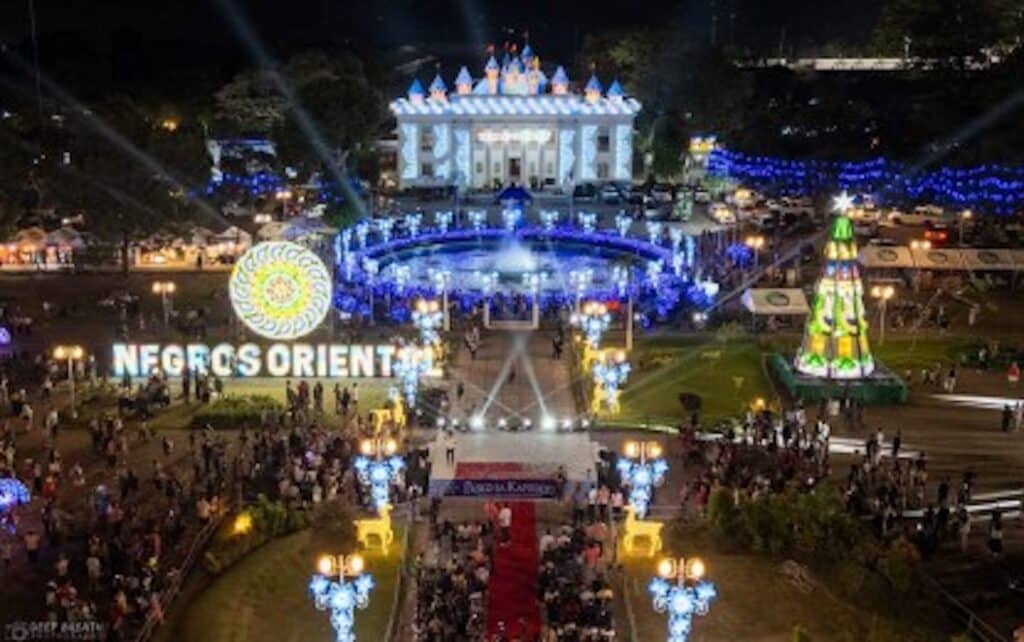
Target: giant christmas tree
column 835, row 344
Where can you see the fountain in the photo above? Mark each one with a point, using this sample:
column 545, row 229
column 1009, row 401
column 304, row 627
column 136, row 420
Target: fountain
column 515, row 258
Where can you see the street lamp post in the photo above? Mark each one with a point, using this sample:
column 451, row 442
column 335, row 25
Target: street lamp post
column 882, row 293
column 71, row 353
column 755, row 243
column 681, row 590
column 166, row 290
column 343, row 595
column 644, row 468
column 964, row 216
column 378, row 466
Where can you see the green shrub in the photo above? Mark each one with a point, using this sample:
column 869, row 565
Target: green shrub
column 269, row 520
column 900, row 564
column 800, row 635
column 235, row 411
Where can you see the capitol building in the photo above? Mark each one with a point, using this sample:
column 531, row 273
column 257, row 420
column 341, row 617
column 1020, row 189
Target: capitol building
column 513, row 124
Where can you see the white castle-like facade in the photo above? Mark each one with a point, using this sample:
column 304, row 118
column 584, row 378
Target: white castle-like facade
column 514, row 125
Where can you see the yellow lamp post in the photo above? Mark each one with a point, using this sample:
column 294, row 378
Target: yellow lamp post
column 962, row 218
column 681, row 570
column 882, row 294
column 756, row 243
column 340, row 565
column 642, row 450
column 166, row 290
column 378, row 447
column 70, row 353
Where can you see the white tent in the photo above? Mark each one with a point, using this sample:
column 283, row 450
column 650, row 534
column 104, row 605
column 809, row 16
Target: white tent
column 66, row 236
column 880, row 256
column 300, row 228
column 273, row 231
column 775, row 301
column 201, row 236
column 236, row 235
column 937, row 259
column 981, row 260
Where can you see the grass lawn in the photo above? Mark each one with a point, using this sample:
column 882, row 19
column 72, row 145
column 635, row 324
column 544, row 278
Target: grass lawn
column 265, row 598
column 902, row 353
column 727, row 376
column 755, row 604
column 372, row 394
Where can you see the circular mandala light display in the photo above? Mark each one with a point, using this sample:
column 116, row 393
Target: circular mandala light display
column 280, row 290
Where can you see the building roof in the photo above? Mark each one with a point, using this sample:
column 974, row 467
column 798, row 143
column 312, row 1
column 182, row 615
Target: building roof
column 534, row 105
column 593, row 84
column 527, row 52
column 416, row 88
column 615, row 90
column 492, row 64
column 560, row 77
column 437, row 84
column 463, row 78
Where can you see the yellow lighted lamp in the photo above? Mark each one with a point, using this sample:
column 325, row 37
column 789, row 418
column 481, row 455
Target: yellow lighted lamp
column 242, row 524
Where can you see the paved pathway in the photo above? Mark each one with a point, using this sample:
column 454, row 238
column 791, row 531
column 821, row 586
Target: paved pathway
column 513, row 377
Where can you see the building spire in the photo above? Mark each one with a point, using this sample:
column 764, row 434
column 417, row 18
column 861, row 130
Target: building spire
column 560, row 81
column 416, row 91
column 463, row 82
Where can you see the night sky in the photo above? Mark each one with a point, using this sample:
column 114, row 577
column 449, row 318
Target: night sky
column 143, row 44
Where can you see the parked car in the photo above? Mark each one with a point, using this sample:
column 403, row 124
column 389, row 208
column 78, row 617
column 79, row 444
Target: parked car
column 682, row 211
column 636, row 196
column 702, row 196
column 800, row 206
column 661, row 192
column 865, row 228
column 765, row 218
column 918, row 216
column 720, row 213
column 610, row 195
column 585, row 192
column 864, row 214
column 938, row 233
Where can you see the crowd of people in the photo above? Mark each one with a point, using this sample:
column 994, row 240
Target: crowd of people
column 573, row 583
column 104, row 544
column 451, row 580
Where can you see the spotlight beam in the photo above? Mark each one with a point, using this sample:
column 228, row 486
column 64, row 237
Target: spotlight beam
column 103, row 128
column 532, row 377
column 247, row 35
column 499, row 381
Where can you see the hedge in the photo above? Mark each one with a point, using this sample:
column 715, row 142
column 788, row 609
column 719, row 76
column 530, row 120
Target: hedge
column 235, row 411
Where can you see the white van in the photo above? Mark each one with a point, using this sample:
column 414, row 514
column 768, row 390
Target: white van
column 920, row 215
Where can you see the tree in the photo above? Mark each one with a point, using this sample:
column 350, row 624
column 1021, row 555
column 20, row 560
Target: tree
column 951, row 33
column 333, row 96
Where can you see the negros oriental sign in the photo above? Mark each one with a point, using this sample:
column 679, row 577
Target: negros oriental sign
column 253, row 360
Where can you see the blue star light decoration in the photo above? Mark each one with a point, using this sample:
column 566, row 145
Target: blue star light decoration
column 341, row 597
column 443, row 220
column 623, row 222
column 428, row 318
column 611, row 374
column 548, row 219
column 378, row 475
column 477, row 219
column 588, row 221
column 642, row 477
column 682, row 603
column 413, row 363
column 592, row 320
column 13, row 493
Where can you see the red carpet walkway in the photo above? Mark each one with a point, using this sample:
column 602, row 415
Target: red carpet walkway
column 512, row 588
